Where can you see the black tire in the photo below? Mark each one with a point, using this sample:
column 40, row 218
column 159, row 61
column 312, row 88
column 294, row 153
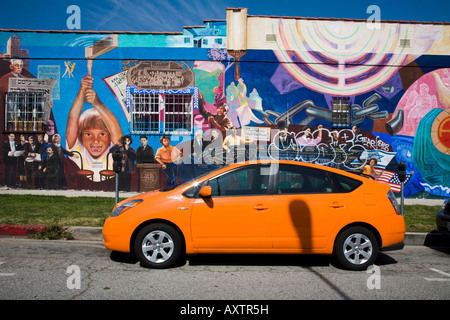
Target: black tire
column 158, row 246
column 355, row 248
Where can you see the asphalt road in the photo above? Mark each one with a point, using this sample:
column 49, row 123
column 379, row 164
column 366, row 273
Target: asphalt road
column 86, row 270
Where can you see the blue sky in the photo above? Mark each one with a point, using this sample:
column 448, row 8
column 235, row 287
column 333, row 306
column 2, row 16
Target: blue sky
column 170, row 15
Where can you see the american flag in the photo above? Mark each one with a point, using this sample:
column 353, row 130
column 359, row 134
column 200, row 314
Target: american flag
column 390, row 178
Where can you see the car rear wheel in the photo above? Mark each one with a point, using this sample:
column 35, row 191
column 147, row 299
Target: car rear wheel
column 158, row 246
column 356, row 248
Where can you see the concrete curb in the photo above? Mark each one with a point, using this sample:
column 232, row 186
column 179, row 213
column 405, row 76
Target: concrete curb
column 86, row 233
column 95, row 234
column 79, row 233
column 7, row 230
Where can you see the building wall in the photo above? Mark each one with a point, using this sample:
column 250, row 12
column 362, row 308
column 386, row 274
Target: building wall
column 394, row 81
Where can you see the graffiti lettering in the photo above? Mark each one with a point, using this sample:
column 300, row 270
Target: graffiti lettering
column 375, row 144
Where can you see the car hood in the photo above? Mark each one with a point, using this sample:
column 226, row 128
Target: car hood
column 142, row 196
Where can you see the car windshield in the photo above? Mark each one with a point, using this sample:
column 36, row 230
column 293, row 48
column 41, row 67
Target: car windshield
column 212, row 169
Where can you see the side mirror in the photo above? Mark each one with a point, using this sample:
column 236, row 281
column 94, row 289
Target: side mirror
column 205, row 192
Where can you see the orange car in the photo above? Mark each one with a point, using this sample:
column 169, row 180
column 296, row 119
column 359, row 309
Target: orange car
column 260, row 207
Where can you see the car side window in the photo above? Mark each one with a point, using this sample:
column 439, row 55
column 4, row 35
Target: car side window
column 240, row 182
column 298, row 180
column 290, row 181
column 191, row 192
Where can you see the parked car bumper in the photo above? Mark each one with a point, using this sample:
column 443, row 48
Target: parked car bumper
column 443, row 217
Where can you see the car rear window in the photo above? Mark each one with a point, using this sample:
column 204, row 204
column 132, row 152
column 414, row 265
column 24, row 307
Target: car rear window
column 345, row 183
column 296, row 180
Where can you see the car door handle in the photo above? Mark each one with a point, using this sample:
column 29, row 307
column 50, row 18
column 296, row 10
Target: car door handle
column 260, row 207
column 336, row 204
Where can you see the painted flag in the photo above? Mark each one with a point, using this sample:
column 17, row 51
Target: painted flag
column 390, row 178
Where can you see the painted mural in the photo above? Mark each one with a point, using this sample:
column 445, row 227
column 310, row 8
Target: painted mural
column 330, row 92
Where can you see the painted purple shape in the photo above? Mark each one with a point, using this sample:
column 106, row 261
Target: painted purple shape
column 283, row 81
column 389, row 89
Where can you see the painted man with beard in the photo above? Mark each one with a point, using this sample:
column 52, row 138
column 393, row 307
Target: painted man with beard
column 60, row 152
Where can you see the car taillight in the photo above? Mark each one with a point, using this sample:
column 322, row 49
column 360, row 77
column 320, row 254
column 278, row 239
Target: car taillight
column 393, row 200
column 446, row 206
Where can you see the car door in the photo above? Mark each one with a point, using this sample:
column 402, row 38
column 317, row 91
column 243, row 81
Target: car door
column 237, row 215
column 306, row 208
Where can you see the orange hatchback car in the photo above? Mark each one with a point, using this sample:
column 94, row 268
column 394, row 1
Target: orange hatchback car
column 282, row 207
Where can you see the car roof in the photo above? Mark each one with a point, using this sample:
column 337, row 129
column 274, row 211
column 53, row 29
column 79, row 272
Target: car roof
column 296, row 163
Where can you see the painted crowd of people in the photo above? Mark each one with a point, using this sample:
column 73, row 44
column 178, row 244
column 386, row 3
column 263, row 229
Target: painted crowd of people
column 34, row 162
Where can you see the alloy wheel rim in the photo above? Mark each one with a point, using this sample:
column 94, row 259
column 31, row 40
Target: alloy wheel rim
column 157, row 246
column 357, row 248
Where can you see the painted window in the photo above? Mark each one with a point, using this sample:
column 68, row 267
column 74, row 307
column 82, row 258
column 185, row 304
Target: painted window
column 341, row 112
column 24, row 111
column 161, row 112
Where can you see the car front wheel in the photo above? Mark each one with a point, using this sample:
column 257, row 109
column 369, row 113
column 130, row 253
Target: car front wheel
column 158, row 246
column 356, row 248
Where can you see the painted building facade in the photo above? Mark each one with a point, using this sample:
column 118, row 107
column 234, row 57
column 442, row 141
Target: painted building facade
column 362, row 91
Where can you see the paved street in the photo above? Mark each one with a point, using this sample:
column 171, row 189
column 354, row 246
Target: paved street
column 84, row 270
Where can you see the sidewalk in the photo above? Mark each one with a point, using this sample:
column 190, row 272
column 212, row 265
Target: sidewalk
column 67, row 193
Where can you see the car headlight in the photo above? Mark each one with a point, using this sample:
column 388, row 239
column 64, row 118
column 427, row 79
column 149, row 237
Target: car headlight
column 124, row 207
